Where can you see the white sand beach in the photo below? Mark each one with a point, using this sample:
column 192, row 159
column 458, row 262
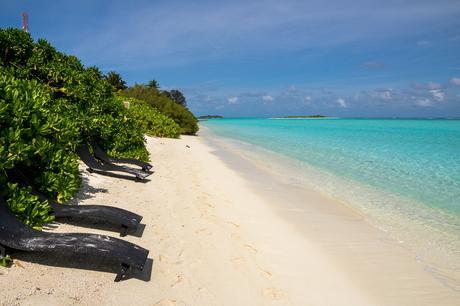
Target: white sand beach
column 217, row 237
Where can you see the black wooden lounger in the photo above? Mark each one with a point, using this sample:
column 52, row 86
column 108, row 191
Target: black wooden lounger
column 121, row 218
column 15, row 235
column 102, row 168
column 100, row 154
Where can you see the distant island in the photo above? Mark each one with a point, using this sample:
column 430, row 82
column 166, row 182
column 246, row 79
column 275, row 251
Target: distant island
column 210, row 117
column 311, row 116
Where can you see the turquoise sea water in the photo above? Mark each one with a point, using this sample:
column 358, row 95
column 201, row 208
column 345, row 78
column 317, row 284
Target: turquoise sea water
column 401, row 169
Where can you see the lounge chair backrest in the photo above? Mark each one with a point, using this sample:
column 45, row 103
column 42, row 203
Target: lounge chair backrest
column 98, row 151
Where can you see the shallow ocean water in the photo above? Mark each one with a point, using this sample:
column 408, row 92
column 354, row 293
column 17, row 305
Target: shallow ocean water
column 401, row 174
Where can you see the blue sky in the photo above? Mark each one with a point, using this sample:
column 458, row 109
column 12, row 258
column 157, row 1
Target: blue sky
column 265, row 58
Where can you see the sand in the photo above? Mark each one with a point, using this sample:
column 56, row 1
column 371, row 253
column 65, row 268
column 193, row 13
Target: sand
column 219, row 235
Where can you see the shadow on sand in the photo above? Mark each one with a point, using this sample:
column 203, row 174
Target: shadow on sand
column 83, row 263
column 120, row 176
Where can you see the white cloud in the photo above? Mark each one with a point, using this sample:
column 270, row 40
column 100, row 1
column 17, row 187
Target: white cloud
column 424, row 102
column 292, row 88
column 267, row 98
column 342, row 103
column 307, row 99
column 438, row 95
column 455, row 81
column 385, row 94
column 232, row 100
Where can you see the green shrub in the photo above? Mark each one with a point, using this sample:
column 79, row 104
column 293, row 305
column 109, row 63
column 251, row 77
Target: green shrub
column 30, row 138
column 153, row 122
column 85, row 94
column 180, row 114
column 6, row 261
column 49, row 104
column 27, row 207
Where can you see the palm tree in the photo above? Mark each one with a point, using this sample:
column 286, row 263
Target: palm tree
column 154, row 84
column 115, row 80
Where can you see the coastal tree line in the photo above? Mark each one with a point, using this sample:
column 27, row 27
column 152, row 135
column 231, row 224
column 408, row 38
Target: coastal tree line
column 172, row 103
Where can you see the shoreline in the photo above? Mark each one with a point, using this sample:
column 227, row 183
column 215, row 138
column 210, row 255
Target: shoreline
column 432, row 244
column 336, row 223
column 221, row 234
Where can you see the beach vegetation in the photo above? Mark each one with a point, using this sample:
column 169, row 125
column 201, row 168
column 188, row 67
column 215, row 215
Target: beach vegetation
column 153, row 84
column 34, row 136
column 210, row 117
column 152, row 121
column 176, row 96
column 115, row 80
column 49, row 104
column 6, row 261
column 156, row 98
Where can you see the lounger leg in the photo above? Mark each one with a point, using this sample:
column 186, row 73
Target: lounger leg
column 90, row 170
column 3, row 250
column 124, row 231
column 122, row 273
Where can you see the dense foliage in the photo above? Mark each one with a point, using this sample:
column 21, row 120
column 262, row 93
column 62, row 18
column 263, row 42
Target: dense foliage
column 49, row 104
column 153, row 122
column 89, row 99
column 176, row 96
column 180, row 114
column 29, row 138
column 153, row 84
column 210, row 117
column 115, row 80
